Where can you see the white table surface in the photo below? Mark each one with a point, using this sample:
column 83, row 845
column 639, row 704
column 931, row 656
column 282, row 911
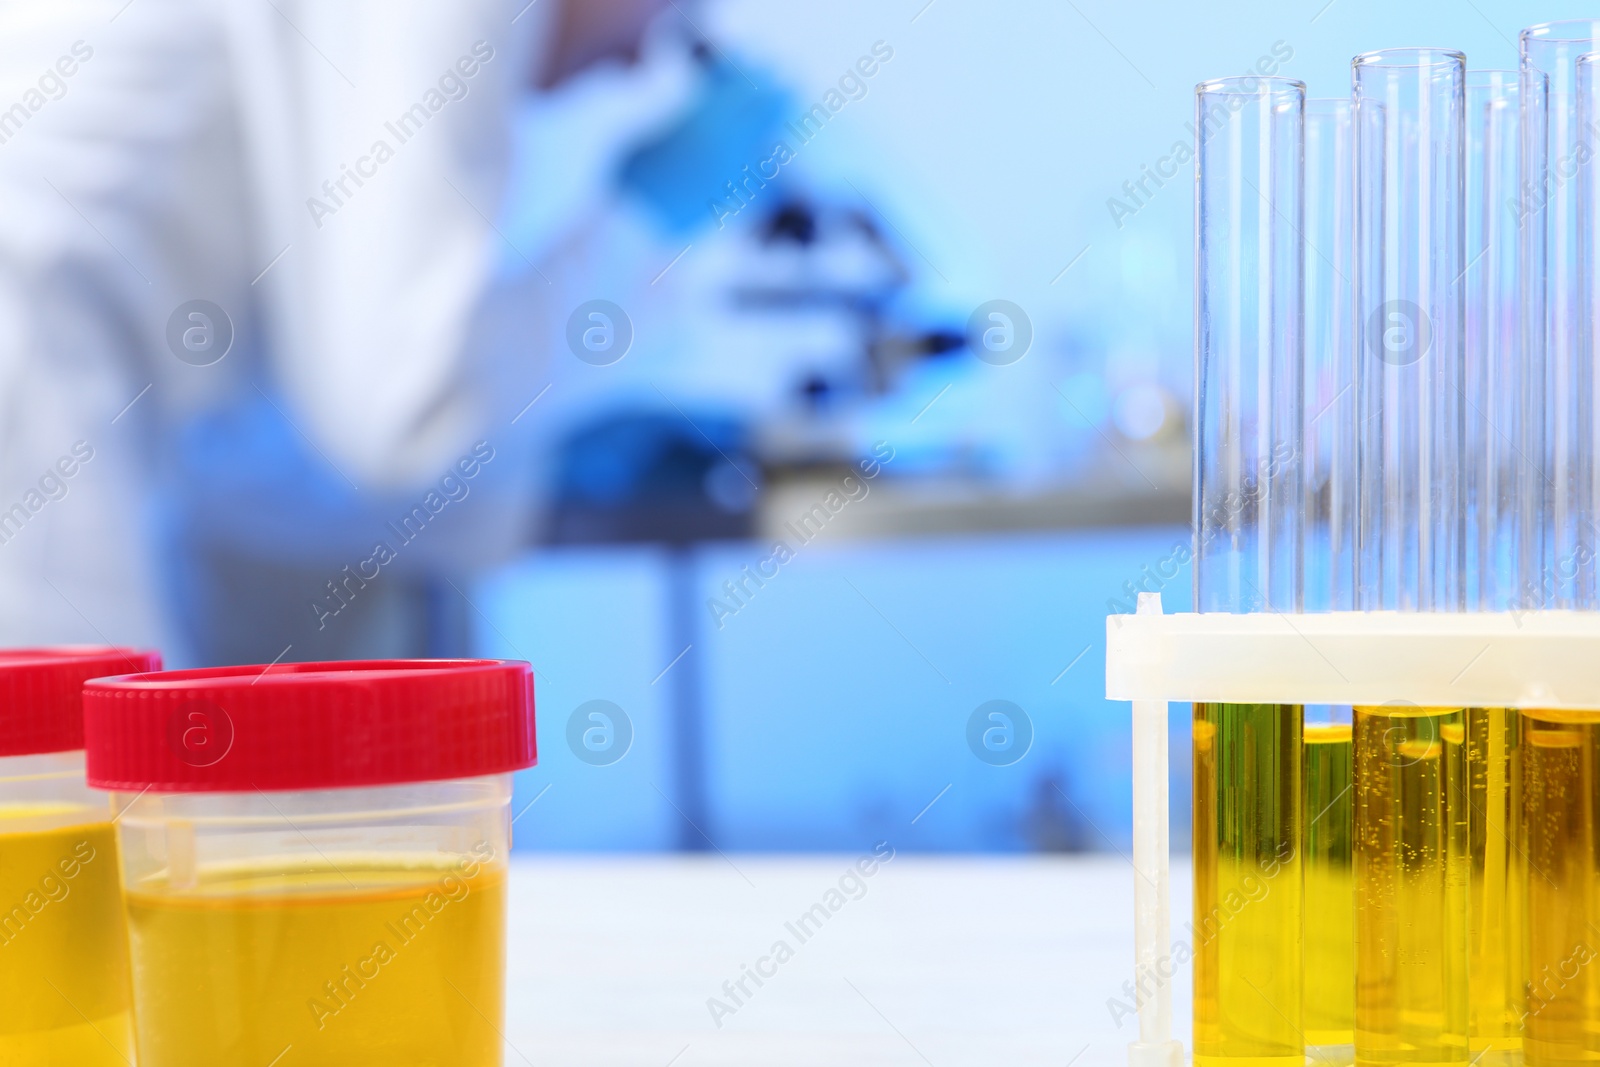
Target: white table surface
column 943, row 961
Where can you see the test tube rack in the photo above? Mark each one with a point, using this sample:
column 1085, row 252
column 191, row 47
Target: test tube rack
column 1523, row 660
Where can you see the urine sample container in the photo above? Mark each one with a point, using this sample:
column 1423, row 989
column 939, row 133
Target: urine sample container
column 63, row 945
column 315, row 857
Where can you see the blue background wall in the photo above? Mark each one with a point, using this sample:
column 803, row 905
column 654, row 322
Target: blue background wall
column 836, row 702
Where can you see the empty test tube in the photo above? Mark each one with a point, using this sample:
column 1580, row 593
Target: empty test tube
column 1248, row 519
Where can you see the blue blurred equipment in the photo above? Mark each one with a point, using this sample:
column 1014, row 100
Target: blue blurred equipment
column 729, row 127
column 669, row 477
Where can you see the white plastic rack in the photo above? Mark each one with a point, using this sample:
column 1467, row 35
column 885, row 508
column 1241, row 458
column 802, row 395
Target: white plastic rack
column 1542, row 659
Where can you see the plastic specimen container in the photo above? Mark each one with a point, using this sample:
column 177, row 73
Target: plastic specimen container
column 315, row 857
column 63, row 961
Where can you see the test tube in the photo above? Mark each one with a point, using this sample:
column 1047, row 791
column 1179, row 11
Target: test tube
column 1499, row 472
column 1560, row 760
column 1560, row 752
column 1330, row 468
column 1587, row 304
column 1562, row 151
column 1330, row 373
column 1496, row 888
column 1409, row 112
column 1249, row 352
column 1410, row 764
column 1502, row 474
column 1536, row 538
column 1249, row 343
column 1411, row 871
column 1329, row 892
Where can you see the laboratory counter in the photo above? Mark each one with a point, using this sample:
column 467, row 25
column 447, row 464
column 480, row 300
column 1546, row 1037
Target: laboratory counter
column 650, row 961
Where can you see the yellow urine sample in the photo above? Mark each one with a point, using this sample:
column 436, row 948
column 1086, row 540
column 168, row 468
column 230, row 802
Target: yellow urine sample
column 1495, row 889
column 1560, row 831
column 398, row 965
column 63, row 943
column 1247, row 886
column 1330, row 984
column 1411, row 871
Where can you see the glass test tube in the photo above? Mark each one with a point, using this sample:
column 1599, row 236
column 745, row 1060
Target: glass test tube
column 1502, row 475
column 1330, row 468
column 1499, row 472
column 1560, row 759
column 1249, row 343
column 1247, row 886
column 1249, row 352
column 1409, row 151
column 1330, row 373
column 1586, row 82
column 1536, row 539
column 1329, row 892
column 1561, row 152
column 1411, row 886
column 1410, row 764
column 1496, row 887
column 1560, row 754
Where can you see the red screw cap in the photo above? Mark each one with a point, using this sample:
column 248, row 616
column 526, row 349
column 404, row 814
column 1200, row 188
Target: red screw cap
column 298, row 726
column 41, row 693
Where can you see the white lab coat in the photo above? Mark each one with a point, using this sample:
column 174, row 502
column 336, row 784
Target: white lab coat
column 185, row 157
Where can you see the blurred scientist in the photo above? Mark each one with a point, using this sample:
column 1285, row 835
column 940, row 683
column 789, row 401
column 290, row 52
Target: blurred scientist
column 254, row 354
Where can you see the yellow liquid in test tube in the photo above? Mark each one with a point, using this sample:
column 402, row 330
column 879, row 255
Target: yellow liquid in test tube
column 1411, row 874
column 1247, row 886
column 1562, row 836
column 1329, row 889
column 1495, row 961
column 364, row 964
column 63, row 943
